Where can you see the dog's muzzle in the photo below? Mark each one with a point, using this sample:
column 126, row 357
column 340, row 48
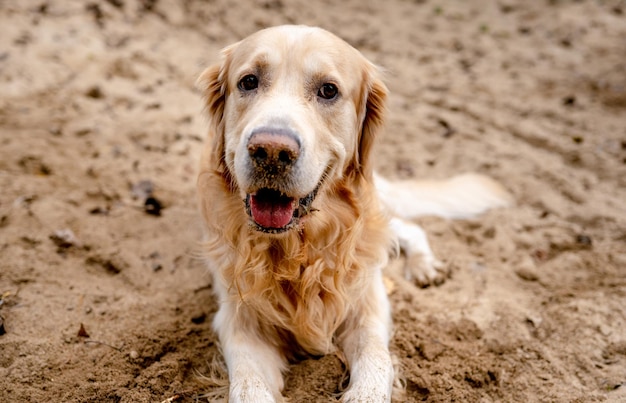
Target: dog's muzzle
column 273, row 155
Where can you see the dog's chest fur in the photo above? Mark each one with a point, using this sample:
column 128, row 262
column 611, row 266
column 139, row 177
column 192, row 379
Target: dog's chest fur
column 301, row 285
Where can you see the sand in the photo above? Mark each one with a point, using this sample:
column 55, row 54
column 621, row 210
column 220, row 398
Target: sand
column 104, row 300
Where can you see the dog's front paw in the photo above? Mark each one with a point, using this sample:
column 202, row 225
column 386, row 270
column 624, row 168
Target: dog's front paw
column 425, row 270
column 251, row 390
column 365, row 395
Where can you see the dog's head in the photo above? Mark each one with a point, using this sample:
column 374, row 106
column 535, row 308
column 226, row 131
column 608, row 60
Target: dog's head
column 291, row 108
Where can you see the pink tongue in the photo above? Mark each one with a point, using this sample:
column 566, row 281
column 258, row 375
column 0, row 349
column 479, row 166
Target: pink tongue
column 271, row 213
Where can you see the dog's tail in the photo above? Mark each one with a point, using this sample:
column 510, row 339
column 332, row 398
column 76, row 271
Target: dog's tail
column 462, row 196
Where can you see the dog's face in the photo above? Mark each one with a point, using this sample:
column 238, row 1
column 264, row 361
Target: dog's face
column 291, row 109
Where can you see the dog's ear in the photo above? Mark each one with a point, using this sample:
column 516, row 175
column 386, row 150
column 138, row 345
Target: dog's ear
column 214, row 87
column 374, row 98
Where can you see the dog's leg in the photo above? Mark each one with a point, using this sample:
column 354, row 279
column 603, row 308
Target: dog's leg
column 364, row 341
column 254, row 366
column 421, row 267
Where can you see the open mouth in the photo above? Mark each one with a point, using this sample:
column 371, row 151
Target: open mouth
column 274, row 212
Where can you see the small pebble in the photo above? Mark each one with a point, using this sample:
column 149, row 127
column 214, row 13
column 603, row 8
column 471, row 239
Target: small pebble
column 152, row 206
column 64, row 238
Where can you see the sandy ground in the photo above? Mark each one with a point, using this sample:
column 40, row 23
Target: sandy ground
column 103, row 302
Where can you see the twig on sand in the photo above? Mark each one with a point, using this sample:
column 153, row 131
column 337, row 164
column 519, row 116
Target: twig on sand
column 178, row 396
column 172, row 399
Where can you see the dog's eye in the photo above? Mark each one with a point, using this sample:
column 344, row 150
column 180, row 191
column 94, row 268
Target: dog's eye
column 328, row 91
column 248, row 83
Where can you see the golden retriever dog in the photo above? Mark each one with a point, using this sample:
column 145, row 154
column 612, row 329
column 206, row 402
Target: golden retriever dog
column 298, row 227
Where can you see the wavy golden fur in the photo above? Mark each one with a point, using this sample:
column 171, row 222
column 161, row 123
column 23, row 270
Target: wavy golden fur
column 301, row 283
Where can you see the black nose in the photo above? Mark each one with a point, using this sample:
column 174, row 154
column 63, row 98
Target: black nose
column 273, row 150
